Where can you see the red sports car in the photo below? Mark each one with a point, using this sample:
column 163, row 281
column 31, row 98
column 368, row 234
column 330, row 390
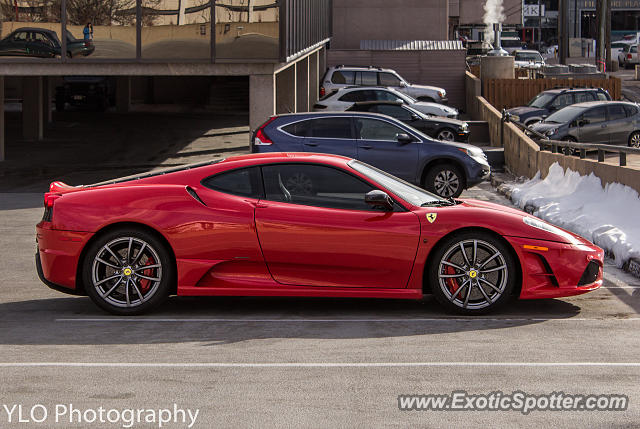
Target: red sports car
column 299, row 224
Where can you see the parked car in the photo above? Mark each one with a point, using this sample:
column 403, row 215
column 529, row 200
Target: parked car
column 85, row 91
column 40, row 42
column 343, row 98
column 617, row 47
column 343, row 76
column 511, row 44
column 612, row 122
column 628, row 56
column 445, row 168
column 438, row 127
column 528, row 59
column 295, row 224
column 552, row 100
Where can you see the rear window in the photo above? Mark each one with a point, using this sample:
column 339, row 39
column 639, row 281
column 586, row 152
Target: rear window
column 298, row 129
column 630, row 110
column 343, row 77
column 616, row 111
column 583, row 96
column 243, row 182
column 354, row 96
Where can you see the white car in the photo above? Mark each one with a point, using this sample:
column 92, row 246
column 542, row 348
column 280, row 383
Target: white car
column 343, row 98
column 528, row 59
column 343, row 76
column 628, row 56
column 618, row 47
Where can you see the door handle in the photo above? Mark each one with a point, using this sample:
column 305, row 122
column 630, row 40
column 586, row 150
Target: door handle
column 311, row 144
column 365, row 147
column 257, row 204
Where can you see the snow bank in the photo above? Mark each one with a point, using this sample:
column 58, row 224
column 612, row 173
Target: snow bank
column 608, row 217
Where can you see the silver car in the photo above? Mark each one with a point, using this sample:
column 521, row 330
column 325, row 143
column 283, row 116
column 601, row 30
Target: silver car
column 608, row 122
column 343, row 98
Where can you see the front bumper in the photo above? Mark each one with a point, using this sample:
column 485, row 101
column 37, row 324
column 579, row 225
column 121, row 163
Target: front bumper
column 462, row 136
column 555, row 270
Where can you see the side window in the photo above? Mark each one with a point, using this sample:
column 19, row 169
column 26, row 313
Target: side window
column 376, row 129
column 244, row 182
column 367, row 79
column 314, row 185
column 298, row 129
column 388, row 79
column 602, row 96
column 630, row 110
column 20, row 37
column 330, row 128
column 343, row 77
column 394, row 111
column 562, row 100
column 634, row 49
column 385, row 96
column 353, row 96
column 583, row 96
column 616, row 111
column 595, row 115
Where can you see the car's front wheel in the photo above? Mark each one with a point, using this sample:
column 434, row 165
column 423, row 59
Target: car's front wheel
column 127, row 271
column 446, row 134
column 472, row 273
column 445, row 180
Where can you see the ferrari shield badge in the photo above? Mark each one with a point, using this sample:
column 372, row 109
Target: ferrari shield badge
column 431, row 217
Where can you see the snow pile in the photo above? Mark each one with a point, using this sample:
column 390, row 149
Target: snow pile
column 608, row 217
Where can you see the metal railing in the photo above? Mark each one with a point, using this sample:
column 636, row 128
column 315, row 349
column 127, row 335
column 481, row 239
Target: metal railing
column 570, row 148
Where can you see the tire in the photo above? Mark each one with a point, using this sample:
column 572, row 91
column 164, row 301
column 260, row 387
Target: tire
column 131, row 289
column 468, row 286
column 69, row 55
column 447, row 135
column 569, row 150
column 634, row 139
column 445, row 180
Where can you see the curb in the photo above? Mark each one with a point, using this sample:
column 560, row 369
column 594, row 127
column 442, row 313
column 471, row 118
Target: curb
column 631, row 266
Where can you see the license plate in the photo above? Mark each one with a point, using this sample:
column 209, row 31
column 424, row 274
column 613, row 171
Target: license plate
column 78, row 97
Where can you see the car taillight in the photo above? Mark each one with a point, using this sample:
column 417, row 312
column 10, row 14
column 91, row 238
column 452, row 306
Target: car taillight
column 629, row 56
column 49, row 199
column 261, row 138
column 323, row 91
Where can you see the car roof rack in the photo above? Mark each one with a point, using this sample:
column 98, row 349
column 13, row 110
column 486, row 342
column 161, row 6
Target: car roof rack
column 361, row 67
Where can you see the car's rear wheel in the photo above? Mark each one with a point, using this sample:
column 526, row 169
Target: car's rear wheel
column 127, row 271
column 446, row 134
column 472, row 273
column 445, row 180
column 634, row 139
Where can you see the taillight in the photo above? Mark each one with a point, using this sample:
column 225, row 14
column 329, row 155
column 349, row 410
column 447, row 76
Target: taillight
column 261, row 138
column 629, row 56
column 323, row 92
column 49, row 199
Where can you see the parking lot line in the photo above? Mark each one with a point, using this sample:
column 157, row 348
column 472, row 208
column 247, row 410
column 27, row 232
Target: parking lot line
column 238, row 320
column 310, row 364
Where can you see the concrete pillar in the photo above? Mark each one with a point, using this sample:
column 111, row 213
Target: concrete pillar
column 47, row 89
column 123, row 94
column 262, row 99
column 2, row 150
column 302, row 85
column 32, row 110
column 322, row 62
column 314, row 79
column 286, row 90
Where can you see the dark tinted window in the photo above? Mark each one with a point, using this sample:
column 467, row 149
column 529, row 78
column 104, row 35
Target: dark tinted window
column 385, row 96
column 330, row 128
column 393, row 111
column 388, row 79
column 595, row 115
column 20, row 37
column 616, row 111
column 377, row 129
column 244, row 182
column 298, row 129
column 562, row 100
column 583, row 96
column 630, row 110
column 367, row 78
column 354, row 96
column 343, row 77
column 314, row 185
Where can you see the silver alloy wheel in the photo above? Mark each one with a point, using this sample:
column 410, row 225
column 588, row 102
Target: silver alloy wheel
column 126, row 272
column 446, row 183
column 472, row 274
column 446, row 135
column 635, row 140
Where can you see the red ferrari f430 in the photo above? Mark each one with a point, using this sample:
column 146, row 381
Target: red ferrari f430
column 299, row 224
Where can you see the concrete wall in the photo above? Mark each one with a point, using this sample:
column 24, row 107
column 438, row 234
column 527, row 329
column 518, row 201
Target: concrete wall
column 355, row 20
column 472, row 11
column 445, row 69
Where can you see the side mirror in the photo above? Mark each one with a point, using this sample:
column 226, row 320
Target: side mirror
column 404, row 138
column 414, row 117
column 378, row 199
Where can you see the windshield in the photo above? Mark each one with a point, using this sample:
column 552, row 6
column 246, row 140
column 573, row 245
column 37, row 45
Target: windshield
column 407, row 98
column 408, row 192
column 564, row 115
column 541, row 100
column 528, row 56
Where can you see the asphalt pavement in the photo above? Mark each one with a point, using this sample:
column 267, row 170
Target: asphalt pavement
column 303, row 362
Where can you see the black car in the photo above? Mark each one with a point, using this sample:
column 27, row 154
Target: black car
column 437, row 127
column 85, row 91
column 43, row 43
column 552, row 100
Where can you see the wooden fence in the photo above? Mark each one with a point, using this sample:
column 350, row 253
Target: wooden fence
column 507, row 93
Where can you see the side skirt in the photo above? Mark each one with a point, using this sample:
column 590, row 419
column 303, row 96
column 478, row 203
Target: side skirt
column 327, row 292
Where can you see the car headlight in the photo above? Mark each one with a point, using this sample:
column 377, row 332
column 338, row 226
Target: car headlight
column 540, row 224
column 442, row 94
column 551, row 132
column 515, row 118
column 476, row 154
column 464, row 126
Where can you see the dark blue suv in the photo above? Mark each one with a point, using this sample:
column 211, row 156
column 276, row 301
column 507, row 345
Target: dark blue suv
column 445, row 168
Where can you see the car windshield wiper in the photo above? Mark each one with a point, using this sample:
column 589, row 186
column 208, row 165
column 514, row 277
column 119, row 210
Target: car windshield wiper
column 438, row 203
